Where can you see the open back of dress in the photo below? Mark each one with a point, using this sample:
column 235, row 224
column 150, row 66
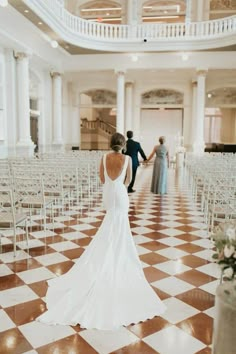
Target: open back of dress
column 106, row 288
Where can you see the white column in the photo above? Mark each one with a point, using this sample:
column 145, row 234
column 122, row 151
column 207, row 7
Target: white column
column 137, row 114
column 188, row 12
column 75, row 117
column 57, row 108
column 200, row 10
column 129, row 106
column 120, row 102
column 199, row 143
column 194, row 115
column 134, row 12
column 25, row 145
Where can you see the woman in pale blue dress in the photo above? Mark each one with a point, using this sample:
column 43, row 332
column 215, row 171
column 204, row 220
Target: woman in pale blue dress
column 160, row 167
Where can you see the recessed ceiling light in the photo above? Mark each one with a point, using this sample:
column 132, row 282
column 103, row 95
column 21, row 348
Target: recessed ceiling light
column 67, row 46
column 185, row 56
column 26, row 11
column 40, row 23
column 54, row 44
column 3, row 3
column 209, row 95
column 134, row 57
column 108, row 13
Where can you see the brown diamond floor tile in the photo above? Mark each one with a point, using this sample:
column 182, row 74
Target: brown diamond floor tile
column 186, row 228
column 152, row 258
column 190, row 248
column 24, row 264
column 155, row 235
column 72, row 344
column 195, row 277
column 193, row 261
column 40, row 251
column 149, row 327
column 61, row 268
column 157, row 227
column 198, row 326
column 13, row 342
column 153, row 245
column 73, row 253
column 26, row 311
column 90, row 232
column 136, row 348
column 54, row 239
column 188, row 237
column 10, row 281
column 40, row 288
column 197, row 298
column 153, row 274
column 161, row 294
column 84, row 241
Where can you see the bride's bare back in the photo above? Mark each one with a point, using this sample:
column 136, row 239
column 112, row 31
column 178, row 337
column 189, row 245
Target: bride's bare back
column 114, row 167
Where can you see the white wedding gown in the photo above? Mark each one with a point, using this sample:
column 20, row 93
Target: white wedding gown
column 106, row 288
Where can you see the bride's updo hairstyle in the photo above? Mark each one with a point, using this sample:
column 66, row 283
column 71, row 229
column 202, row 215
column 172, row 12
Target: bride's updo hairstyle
column 117, row 142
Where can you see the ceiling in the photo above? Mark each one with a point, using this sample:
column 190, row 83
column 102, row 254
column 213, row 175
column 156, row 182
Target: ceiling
column 154, row 8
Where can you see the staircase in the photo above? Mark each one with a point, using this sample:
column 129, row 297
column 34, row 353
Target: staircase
column 95, row 134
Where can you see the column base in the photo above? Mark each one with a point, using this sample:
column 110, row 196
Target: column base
column 198, row 147
column 25, row 148
column 57, row 147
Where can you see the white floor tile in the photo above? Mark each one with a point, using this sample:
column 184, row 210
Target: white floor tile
column 211, row 287
column 172, row 285
column 81, row 227
column 5, row 321
column 177, row 310
column 4, row 270
column 171, row 223
column 138, row 239
column 171, row 232
column 211, row 269
column 172, row 241
column 141, row 230
column 39, row 334
column 18, row 295
column 173, row 340
column 63, row 246
column 42, row 233
column 74, row 235
column 104, row 342
column 172, row 253
column 143, row 222
column 51, row 258
column 205, row 243
column 9, row 257
column 142, row 250
column 35, row 275
column 172, row 267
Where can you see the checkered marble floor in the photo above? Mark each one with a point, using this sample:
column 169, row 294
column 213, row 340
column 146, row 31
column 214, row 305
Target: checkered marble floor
column 172, row 243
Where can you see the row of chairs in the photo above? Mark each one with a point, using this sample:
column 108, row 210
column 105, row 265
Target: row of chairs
column 212, row 179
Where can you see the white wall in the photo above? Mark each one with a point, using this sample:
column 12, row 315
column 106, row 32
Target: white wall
column 155, row 123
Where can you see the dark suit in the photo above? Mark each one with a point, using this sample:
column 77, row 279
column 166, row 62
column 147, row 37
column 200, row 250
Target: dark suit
column 132, row 149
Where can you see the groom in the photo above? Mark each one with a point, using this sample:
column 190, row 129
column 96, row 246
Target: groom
column 132, row 149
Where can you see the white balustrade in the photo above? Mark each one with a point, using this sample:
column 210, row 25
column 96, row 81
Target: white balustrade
column 53, row 11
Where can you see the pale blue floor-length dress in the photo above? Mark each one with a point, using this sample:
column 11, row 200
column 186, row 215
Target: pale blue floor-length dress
column 106, row 288
column 160, row 169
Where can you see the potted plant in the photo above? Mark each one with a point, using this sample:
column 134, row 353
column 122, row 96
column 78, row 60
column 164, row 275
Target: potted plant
column 224, row 332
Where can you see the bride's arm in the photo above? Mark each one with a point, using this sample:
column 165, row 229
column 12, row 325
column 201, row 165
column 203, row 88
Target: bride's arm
column 128, row 173
column 101, row 172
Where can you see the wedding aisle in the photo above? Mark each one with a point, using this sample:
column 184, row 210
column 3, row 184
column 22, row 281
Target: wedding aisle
column 175, row 251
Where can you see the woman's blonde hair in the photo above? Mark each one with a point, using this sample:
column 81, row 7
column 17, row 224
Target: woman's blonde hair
column 162, row 139
column 117, row 142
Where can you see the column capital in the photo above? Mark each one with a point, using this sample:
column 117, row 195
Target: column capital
column 21, row 55
column 54, row 74
column 120, row 72
column 202, row 72
column 194, row 83
column 129, row 83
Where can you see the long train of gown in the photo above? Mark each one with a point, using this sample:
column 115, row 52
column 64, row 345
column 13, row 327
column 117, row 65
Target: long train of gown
column 106, row 288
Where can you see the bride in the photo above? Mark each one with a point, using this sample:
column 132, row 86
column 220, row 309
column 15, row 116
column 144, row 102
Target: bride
column 106, row 288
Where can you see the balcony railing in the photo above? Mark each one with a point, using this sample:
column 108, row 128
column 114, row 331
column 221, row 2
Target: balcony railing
column 75, row 29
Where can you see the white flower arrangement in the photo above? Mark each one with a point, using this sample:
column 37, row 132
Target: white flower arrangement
column 224, row 237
